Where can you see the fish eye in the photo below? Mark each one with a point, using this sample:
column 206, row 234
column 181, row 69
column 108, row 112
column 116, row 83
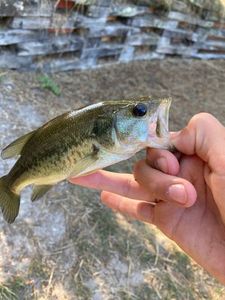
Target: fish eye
column 139, row 110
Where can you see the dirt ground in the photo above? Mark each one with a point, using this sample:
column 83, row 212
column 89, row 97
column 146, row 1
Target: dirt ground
column 67, row 245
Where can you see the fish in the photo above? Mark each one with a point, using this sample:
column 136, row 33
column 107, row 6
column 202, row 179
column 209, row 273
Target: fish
column 79, row 142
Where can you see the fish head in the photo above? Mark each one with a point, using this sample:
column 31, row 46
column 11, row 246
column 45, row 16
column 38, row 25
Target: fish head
column 143, row 123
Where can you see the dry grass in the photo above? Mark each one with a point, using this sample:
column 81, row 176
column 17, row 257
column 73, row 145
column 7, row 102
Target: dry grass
column 99, row 254
column 116, row 259
column 68, row 245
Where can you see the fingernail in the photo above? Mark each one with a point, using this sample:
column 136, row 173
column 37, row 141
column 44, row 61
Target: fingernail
column 161, row 164
column 177, row 193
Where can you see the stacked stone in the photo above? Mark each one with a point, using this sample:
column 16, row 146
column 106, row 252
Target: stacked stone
column 78, row 34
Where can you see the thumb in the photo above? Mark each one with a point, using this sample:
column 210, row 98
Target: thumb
column 204, row 136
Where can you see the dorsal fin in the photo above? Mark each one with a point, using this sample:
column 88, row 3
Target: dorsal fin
column 16, row 147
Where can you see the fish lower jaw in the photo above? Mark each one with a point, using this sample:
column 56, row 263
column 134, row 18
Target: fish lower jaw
column 162, row 124
column 159, row 142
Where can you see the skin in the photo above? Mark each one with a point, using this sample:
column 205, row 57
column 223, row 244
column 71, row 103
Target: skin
column 189, row 187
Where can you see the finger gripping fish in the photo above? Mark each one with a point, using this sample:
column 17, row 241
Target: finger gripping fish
column 80, row 142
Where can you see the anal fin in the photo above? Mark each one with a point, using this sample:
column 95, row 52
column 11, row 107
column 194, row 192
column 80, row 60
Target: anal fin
column 39, row 191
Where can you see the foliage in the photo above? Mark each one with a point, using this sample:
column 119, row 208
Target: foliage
column 49, row 84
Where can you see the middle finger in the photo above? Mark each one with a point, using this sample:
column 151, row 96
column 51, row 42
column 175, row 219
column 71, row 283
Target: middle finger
column 163, row 186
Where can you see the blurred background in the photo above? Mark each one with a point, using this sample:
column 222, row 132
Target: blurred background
column 56, row 56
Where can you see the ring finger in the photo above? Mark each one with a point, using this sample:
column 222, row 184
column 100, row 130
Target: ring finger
column 139, row 210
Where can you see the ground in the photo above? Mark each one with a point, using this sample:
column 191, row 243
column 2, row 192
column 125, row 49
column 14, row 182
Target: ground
column 68, row 245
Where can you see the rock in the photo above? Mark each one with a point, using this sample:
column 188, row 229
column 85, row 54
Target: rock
column 14, row 36
column 9, row 8
column 31, row 23
column 55, row 44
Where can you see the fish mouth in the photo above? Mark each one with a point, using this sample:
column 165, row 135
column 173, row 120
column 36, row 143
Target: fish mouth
column 162, row 125
column 159, row 126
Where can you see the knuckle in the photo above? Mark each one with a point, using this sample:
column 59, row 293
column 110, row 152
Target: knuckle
column 153, row 155
column 153, row 188
column 135, row 214
column 192, row 161
column 218, row 163
column 152, row 152
column 141, row 208
column 137, row 168
column 193, row 166
column 197, row 131
column 127, row 190
column 201, row 119
column 120, row 207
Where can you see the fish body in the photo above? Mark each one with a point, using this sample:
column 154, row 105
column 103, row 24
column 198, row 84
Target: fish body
column 80, row 142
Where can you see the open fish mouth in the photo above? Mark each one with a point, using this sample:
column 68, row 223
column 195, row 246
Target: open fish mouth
column 159, row 126
column 162, row 124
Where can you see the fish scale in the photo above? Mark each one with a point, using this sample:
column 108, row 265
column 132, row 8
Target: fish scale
column 80, row 142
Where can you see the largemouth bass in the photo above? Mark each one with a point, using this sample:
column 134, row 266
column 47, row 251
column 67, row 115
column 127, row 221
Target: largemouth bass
column 80, row 142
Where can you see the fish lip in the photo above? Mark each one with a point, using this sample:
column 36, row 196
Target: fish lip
column 158, row 136
column 163, row 117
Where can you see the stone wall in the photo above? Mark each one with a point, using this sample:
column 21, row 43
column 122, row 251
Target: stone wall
column 67, row 34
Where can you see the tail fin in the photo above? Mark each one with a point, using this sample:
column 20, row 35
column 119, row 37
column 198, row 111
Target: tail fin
column 9, row 201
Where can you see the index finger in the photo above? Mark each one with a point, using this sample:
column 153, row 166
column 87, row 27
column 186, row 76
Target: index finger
column 122, row 184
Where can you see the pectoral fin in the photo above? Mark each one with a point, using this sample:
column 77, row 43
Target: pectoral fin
column 16, row 147
column 82, row 165
column 39, row 191
column 86, row 163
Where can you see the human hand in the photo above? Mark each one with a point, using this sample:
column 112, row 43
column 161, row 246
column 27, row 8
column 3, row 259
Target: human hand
column 189, row 187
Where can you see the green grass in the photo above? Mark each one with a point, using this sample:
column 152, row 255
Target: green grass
column 2, row 76
column 6, row 293
column 16, row 289
column 38, row 269
column 48, row 83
